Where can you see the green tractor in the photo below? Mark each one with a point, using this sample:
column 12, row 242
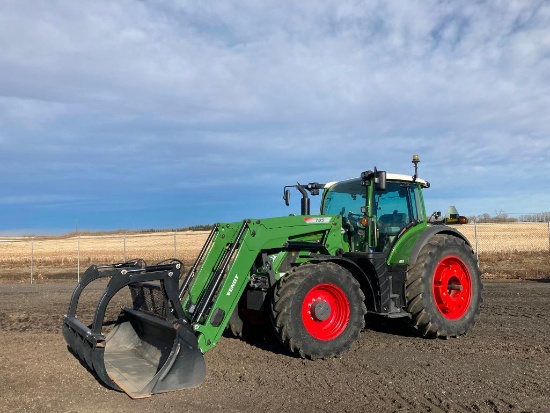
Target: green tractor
column 314, row 278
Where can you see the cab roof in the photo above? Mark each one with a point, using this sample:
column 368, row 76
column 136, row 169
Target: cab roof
column 389, row 177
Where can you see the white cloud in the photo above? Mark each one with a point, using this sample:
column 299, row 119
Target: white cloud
column 167, row 94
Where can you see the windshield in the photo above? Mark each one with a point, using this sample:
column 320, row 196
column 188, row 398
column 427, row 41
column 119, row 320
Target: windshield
column 344, row 198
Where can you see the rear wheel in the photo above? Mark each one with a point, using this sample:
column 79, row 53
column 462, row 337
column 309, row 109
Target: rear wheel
column 318, row 310
column 444, row 288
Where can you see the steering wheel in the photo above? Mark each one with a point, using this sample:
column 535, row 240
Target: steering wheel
column 355, row 219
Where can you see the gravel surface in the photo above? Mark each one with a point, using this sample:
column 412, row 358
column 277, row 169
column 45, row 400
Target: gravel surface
column 502, row 365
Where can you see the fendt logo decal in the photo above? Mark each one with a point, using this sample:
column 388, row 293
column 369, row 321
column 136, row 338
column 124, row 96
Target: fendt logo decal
column 324, row 220
column 232, row 285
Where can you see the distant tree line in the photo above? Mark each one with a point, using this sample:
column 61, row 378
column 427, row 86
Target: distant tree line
column 206, row 227
column 501, row 216
column 202, row 227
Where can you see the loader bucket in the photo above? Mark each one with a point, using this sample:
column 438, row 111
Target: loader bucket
column 151, row 348
column 144, row 356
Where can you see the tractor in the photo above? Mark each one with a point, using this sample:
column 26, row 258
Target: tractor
column 315, row 278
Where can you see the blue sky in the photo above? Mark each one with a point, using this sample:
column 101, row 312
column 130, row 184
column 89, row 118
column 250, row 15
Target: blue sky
column 164, row 114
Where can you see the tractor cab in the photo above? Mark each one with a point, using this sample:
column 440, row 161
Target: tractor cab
column 375, row 215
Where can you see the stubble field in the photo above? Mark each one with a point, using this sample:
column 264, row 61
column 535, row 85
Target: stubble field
column 64, row 257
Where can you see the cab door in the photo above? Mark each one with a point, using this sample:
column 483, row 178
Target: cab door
column 394, row 208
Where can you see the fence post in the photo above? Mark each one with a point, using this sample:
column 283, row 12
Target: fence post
column 175, row 247
column 32, row 258
column 475, row 236
column 124, row 253
column 78, row 257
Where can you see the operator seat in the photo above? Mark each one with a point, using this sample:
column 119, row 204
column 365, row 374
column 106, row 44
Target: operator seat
column 396, row 219
column 389, row 226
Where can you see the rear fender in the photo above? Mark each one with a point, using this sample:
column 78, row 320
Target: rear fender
column 428, row 234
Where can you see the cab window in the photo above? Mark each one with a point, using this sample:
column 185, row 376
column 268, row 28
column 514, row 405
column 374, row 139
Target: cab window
column 394, row 208
column 345, row 198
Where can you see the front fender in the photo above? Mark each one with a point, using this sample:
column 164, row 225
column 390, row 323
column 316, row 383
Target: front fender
column 357, row 273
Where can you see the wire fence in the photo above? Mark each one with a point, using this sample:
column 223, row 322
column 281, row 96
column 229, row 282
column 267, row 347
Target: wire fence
column 37, row 259
column 507, row 237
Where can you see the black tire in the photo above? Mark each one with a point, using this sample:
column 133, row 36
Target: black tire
column 245, row 323
column 443, row 288
column 318, row 310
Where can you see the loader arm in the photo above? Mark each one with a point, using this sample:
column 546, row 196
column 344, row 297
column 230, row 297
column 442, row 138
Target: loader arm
column 212, row 295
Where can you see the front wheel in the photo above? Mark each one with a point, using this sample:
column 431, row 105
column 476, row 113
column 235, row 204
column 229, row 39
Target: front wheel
column 318, row 310
column 444, row 288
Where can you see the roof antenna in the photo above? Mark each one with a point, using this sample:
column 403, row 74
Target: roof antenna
column 416, row 161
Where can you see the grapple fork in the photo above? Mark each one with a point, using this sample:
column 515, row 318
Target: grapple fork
column 151, row 348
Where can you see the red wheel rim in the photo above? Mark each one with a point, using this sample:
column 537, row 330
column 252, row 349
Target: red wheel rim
column 452, row 288
column 325, row 311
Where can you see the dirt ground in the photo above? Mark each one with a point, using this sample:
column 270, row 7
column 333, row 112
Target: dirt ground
column 502, row 365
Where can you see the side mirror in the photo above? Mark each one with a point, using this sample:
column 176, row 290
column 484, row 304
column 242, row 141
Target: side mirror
column 286, row 197
column 380, row 180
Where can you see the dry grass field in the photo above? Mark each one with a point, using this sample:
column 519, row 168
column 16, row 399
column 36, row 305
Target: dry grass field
column 64, row 257
column 505, row 250
column 511, row 250
column 509, row 237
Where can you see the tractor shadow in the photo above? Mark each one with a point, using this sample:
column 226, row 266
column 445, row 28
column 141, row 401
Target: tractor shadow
column 265, row 338
column 539, row 280
column 261, row 337
column 85, row 365
column 393, row 326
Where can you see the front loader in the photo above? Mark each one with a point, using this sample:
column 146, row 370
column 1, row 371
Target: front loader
column 313, row 278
